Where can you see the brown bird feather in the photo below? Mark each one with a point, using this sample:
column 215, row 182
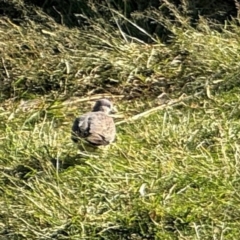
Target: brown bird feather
column 97, row 128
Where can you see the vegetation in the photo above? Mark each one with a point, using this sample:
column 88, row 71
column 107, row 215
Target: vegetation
column 173, row 172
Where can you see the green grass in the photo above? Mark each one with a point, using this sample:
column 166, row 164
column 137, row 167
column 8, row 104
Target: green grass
column 184, row 159
column 171, row 174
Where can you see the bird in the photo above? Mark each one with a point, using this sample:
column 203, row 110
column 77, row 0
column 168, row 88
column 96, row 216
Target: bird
column 96, row 128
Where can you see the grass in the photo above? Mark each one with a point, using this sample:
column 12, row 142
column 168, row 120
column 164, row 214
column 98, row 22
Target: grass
column 171, row 174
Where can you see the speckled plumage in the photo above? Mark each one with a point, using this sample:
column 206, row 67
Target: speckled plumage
column 97, row 128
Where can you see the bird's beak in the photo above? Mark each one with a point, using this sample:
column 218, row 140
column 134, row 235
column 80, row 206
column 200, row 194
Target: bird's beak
column 113, row 110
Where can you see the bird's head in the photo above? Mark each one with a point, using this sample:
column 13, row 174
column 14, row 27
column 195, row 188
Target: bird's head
column 104, row 105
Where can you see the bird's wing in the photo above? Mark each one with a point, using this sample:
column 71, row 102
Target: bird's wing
column 96, row 127
column 80, row 128
column 102, row 129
